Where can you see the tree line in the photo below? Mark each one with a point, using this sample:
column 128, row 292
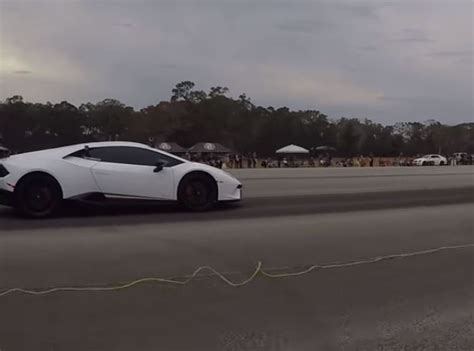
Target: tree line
column 192, row 116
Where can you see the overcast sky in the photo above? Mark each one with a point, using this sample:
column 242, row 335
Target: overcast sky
column 388, row 61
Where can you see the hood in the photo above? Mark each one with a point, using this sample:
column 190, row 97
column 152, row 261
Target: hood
column 216, row 172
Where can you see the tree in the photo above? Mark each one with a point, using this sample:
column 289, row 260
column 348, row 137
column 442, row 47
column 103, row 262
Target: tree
column 218, row 91
column 182, row 91
column 194, row 116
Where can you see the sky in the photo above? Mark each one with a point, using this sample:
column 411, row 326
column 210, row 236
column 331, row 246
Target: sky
column 405, row 60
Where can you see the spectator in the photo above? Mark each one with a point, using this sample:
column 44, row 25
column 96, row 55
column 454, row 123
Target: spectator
column 249, row 161
column 285, row 162
column 254, row 160
column 371, row 160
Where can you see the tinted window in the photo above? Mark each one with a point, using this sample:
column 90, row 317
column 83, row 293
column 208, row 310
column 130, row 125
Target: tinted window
column 126, row 155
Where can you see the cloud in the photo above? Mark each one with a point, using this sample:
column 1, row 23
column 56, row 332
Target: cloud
column 365, row 10
column 340, row 57
column 302, row 26
column 413, row 35
column 452, row 54
column 405, row 99
column 320, row 87
column 368, row 48
column 124, row 25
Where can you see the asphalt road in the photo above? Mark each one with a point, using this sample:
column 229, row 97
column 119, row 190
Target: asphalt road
column 290, row 219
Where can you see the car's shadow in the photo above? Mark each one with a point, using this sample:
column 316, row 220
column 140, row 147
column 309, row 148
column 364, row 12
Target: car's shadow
column 74, row 214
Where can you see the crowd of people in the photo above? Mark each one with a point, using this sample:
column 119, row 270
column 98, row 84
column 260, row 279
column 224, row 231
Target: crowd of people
column 251, row 160
column 460, row 158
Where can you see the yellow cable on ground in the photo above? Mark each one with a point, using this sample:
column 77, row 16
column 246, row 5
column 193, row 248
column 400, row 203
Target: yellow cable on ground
column 214, row 272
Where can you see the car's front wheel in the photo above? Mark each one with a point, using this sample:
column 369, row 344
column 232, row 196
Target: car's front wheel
column 38, row 196
column 197, row 192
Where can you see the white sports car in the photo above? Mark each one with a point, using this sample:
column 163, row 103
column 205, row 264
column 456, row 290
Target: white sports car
column 36, row 182
column 431, row 160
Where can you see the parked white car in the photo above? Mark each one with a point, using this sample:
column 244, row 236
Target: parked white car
column 431, row 160
column 35, row 183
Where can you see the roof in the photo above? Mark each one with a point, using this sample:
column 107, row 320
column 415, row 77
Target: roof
column 210, row 147
column 66, row 150
column 292, row 149
column 170, row 147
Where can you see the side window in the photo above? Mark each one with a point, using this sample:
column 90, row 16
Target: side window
column 83, row 153
column 130, row 156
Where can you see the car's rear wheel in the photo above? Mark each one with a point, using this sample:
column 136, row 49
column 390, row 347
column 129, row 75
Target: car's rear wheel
column 442, row 163
column 38, row 196
column 197, row 192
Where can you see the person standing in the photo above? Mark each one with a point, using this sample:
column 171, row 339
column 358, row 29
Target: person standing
column 254, row 160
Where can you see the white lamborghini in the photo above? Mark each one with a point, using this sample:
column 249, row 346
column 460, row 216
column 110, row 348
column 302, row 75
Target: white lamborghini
column 37, row 182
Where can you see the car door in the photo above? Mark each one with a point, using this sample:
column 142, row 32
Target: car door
column 124, row 171
column 435, row 159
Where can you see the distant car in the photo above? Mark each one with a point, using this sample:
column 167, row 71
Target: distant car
column 431, row 160
column 36, row 183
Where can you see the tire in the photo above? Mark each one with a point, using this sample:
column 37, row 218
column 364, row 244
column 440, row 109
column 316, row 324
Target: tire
column 442, row 163
column 424, row 163
column 38, row 196
column 197, row 192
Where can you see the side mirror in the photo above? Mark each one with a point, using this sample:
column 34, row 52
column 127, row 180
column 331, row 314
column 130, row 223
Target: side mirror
column 160, row 164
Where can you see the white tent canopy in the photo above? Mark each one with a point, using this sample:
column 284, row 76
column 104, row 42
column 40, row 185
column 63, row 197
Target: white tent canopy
column 292, row 149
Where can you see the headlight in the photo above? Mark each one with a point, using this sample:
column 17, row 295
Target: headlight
column 229, row 175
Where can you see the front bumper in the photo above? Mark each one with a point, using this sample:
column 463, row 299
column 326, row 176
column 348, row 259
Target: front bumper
column 230, row 192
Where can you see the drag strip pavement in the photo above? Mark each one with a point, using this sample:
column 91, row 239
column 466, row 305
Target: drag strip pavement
column 329, row 181
column 252, row 207
column 418, row 302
